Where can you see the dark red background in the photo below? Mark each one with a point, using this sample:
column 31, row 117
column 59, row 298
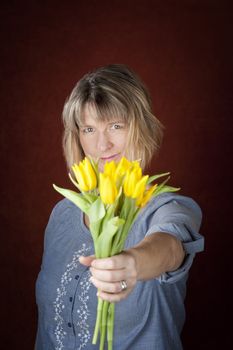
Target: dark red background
column 183, row 52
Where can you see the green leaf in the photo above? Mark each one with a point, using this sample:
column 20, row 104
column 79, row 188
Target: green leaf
column 96, row 210
column 95, row 227
column 154, row 177
column 121, row 235
column 166, row 188
column 90, row 197
column 158, row 188
column 126, row 207
column 74, row 197
column 115, row 222
column 103, row 244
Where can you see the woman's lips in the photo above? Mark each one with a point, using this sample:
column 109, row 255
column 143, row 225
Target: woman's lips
column 110, row 157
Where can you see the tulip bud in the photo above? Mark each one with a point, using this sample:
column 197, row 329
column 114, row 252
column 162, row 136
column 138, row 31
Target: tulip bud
column 80, row 176
column 142, row 201
column 85, row 175
column 90, row 174
column 123, row 166
column 107, row 188
column 132, row 177
column 140, row 187
column 110, row 168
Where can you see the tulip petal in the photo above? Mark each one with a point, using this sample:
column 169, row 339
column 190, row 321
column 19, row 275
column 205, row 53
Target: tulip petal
column 140, row 187
column 90, row 175
column 79, row 172
column 107, row 188
column 110, row 168
column 74, row 182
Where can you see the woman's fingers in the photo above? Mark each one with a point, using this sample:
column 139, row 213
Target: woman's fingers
column 124, row 261
column 112, row 263
column 112, row 292
column 108, row 274
column 105, row 286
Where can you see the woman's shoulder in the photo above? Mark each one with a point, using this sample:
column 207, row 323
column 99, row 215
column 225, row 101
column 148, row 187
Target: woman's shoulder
column 61, row 222
column 63, row 207
column 172, row 198
column 63, row 214
column 172, row 207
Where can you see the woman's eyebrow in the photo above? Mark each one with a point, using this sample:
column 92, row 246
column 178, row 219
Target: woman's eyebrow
column 117, row 121
column 81, row 125
column 86, row 126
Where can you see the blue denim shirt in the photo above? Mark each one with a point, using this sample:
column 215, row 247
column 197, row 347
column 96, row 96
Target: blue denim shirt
column 151, row 317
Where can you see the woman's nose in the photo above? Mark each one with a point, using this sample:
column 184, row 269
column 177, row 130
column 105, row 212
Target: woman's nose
column 103, row 142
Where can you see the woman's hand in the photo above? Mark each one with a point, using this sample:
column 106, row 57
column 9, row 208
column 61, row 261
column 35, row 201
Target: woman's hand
column 155, row 254
column 108, row 274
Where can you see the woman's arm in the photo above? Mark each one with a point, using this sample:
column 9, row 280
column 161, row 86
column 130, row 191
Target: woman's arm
column 154, row 255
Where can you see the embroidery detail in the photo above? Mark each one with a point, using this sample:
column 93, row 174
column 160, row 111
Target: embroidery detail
column 59, row 304
column 83, row 312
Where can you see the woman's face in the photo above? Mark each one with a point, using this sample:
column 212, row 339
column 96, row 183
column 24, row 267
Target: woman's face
column 103, row 140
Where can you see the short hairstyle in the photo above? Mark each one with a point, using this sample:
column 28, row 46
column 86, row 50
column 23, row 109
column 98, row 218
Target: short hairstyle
column 114, row 91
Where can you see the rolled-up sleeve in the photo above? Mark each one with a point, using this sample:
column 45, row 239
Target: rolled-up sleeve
column 180, row 217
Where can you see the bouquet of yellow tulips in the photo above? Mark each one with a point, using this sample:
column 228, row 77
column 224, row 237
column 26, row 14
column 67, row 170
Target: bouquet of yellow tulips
column 111, row 199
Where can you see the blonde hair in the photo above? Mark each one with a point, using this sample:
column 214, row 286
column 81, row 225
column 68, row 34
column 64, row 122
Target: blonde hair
column 114, row 91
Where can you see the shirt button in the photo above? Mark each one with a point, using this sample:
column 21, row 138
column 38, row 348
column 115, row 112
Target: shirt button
column 77, row 277
column 69, row 324
column 70, row 299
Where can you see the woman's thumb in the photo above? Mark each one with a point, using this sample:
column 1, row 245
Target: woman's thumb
column 86, row 260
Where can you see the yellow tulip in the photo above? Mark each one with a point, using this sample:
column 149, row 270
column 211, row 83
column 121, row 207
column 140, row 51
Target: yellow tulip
column 107, row 188
column 142, row 201
column 136, row 164
column 80, row 176
column 90, row 173
column 131, row 179
column 122, row 167
column 140, row 187
column 85, row 175
column 110, row 168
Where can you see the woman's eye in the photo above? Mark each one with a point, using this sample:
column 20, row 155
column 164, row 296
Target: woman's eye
column 117, row 126
column 87, row 130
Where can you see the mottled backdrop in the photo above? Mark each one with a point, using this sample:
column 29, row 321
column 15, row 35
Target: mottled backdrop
column 183, row 51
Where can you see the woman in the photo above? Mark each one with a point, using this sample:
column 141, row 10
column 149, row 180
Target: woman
column 108, row 115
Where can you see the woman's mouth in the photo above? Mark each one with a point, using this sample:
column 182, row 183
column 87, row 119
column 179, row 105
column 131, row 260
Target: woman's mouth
column 109, row 158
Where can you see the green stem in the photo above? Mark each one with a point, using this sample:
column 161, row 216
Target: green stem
column 103, row 324
column 110, row 325
column 98, row 321
column 119, row 239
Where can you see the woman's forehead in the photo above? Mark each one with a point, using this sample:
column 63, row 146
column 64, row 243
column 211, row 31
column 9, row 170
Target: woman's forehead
column 92, row 114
